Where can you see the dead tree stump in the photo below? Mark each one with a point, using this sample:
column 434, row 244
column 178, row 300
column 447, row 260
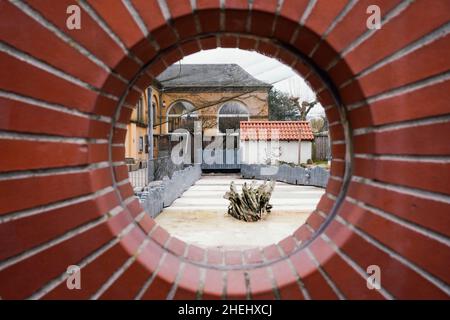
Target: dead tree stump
column 253, row 204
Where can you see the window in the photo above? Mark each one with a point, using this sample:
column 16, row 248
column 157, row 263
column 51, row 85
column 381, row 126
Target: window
column 181, row 114
column 155, row 121
column 231, row 114
column 146, row 143
column 140, row 111
column 141, row 144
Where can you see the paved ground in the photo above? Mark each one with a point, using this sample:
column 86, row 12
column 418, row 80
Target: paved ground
column 199, row 216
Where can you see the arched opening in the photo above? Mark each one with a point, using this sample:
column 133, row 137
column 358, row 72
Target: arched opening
column 230, row 116
column 374, row 209
column 181, row 115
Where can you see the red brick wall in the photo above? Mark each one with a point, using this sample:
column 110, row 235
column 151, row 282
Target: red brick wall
column 65, row 197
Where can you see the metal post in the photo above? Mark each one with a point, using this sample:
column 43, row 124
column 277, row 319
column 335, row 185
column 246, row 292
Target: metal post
column 300, row 145
column 150, row 166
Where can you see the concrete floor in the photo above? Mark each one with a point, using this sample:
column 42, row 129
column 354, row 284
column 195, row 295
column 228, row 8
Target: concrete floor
column 199, row 215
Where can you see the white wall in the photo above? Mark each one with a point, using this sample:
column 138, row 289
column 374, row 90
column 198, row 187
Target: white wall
column 258, row 152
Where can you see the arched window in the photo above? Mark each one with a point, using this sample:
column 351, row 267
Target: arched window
column 231, row 114
column 181, row 114
column 154, row 111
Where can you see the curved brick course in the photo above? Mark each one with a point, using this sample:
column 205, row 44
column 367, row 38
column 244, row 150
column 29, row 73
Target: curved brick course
column 69, row 93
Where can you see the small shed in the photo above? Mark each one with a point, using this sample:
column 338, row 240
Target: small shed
column 269, row 142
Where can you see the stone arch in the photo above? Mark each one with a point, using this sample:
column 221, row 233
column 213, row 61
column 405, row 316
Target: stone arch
column 374, row 211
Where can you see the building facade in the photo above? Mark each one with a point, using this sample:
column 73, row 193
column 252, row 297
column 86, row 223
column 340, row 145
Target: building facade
column 272, row 142
column 218, row 96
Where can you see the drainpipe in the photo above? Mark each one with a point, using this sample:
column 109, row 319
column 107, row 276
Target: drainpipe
column 161, row 105
column 150, row 164
column 300, row 145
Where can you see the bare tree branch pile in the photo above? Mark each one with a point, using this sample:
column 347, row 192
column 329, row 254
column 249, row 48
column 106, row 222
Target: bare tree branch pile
column 253, row 204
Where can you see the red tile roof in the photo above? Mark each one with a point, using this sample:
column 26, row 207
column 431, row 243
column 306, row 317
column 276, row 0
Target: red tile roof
column 286, row 130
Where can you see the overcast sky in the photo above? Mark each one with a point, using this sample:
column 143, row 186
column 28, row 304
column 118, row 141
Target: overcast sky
column 261, row 67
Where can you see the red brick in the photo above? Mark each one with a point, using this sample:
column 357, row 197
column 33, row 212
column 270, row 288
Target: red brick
column 209, row 20
column 427, row 62
column 160, row 235
column 288, row 244
column 408, row 106
column 25, row 154
column 22, row 116
column 337, row 132
column 214, row 256
column 93, row 38
column 18, row 282
column 353, row 23
column 306, row 41
column 164, row 279
column 195, row 253
column 118, row 153
column 420, row 249
column 188, row 284
column 271, row 252
column 208, row 43
column 228, row 41
column 350, row 283
column 185, row 27
column 236, row 287
column 179, row 8
column 147, row 224
column 214, row 284
column 236, row 20
column 261, row 23
column 57, row 187
column 338, row 151
column 333, row 187
column 315, row 220
column 252, row 256
column 190, row 47
column 430, row 176
column 119, row 20
column 398, row 32
column 409, row 141
column 129, row 283
column 233, row 257
column 173, row 56
column 410, row 285
column 429, row 213
column 52, row 223
column 45, row 46
column 176, row 246
column 150, row 12
column 126, row 191
column 260, row 284
column 121, row 172
column 134, row 208
column 95, row 273
column 315, row 284
column 246, row 43
column 337, row 168
column 286, row 281
column 323, row 14
column 49, row 87
column 293, row 9
column 325, row 204
column 302, row 234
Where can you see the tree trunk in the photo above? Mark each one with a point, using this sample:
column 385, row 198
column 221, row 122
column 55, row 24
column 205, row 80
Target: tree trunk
column 253, row 204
